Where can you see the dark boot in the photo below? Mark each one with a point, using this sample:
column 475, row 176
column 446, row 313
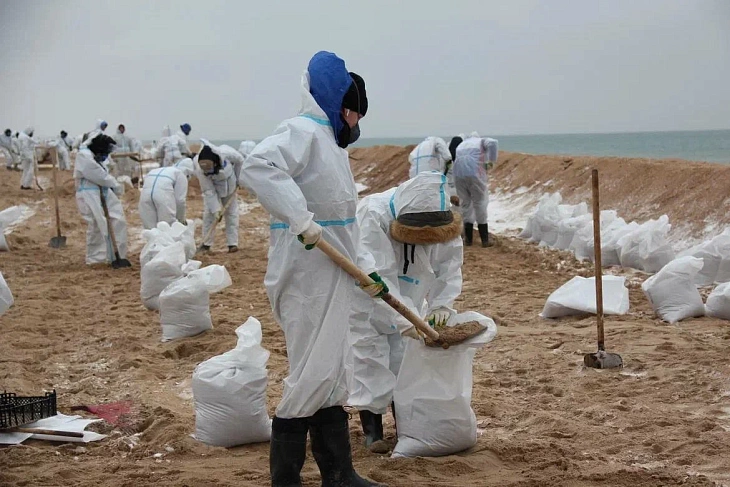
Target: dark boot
column 395, row 420
column 484, row 234
column 330, row 438
column 287, row 451
column 372, row 426
column 468, row 234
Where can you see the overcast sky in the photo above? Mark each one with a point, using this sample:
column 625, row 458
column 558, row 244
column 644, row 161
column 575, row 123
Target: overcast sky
column 232, row 69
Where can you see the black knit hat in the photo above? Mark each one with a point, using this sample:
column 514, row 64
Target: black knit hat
column 101, row 145
column 8, row 132
column 453, row 145
column 356, row 98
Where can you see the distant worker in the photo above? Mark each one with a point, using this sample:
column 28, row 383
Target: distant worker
column 91, row 174
column 246, row 147
column 64, row 145
column 474, row 157
column 125, row 143
column 9, row 149
column 26, row 145
column 433, row 155
column 232, row 156
column 412, row 239
column 164, row 194
column 171, row 148
column 99, row 128
column 218, row 183
column 183, row 134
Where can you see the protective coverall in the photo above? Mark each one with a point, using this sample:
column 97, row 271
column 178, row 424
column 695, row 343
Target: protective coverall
column 99, row 128
column 474, row 156
column 422, row 268
column 9, row 149
column 125, row 143
column 170, row 148
column 246, row 147
column 64, row 145
column 217, row 190
column 90, row 176
column 300, row 175
column 432, row 155
column 164, row 194
column 26, row 145
column 232, row 156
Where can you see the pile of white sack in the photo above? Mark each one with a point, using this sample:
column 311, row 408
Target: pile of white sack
column 176, row 286
column 6, row 297
column 570, row 227
column 230, row 393
column 432, row 395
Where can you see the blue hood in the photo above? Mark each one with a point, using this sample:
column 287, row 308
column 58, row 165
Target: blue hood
column 328, row 83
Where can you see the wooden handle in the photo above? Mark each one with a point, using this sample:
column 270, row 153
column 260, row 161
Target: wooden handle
column 215, row 223
column 124, row 154
column 597, row 259
column 360, row 276
column 54, row 160
column 108, row 223
column 36, row 431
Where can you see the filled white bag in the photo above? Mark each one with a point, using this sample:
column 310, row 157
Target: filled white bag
column 185, row 303
column 578, row 296
column 715, row 254
column 647, row 248
column 7, row 218
column 432, row 395
column 609, row 241
column 672, row 291
column 545, row 214
column 567, row 229
column 6, row 297
column 582, row 243
column 156, row 241
column 159, row 272
column 185, row 234
column 230, row 393
column 718, row 302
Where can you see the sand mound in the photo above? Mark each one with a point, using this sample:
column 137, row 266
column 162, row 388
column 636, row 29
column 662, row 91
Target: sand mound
column 543, row 419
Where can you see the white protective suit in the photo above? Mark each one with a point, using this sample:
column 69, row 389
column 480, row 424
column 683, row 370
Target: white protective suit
column 125, row 143
column 91, row 135
column 90, row 176
column 9, row 150
column 246, row 147
column 300, row 174
column 64, row 146
column 217, row 190
column 164, row 194
column 471, row 176
column 234, row 157
column 432, row 155
column 422, row 276
column 182, row 143
column 26, row 145
column 170, row 148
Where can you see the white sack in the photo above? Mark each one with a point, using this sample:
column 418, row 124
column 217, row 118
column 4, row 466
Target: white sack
column 647, row 248
column 567, row 229
column 672, row 291
column 185, row 234
column 6, row 297
column 582, row 245
column 432, row 395
column 578, row 296
column 230, row 393
column 547, row 211
column 550, row 221
column 609, row 240
column 718, row 302
column 185, row 304
column 159, row 272
column 715, row 254
column 156, row 241
column 7, row 218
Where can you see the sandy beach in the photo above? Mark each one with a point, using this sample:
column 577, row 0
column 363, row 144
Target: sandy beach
column 543, row 418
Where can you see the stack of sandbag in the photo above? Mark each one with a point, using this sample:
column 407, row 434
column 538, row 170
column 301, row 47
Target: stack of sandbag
column 715, row 254
column 169, row 265
column 432, row 395
column 582, row 243
column 185, row 303
column 647, row 248
column 610, row 250
column 672, row 291
column 6, row 297
column 543, row 226
column 578, row 296
column 230, row 393
column 165, row 234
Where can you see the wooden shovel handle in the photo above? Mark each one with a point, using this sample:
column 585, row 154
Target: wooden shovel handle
column 597, row 258
column 54, row 159
column 36, row 431
column 359, row 275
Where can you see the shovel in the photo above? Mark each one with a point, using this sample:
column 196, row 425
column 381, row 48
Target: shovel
column 59, row 241
column 448, row 337
column 601, row 359
column 216, row 222
column 118, row 262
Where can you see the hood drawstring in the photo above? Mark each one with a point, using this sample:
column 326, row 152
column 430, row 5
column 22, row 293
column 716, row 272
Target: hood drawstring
column 405, row 254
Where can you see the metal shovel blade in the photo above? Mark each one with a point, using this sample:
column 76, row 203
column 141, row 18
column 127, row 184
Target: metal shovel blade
column 57, row 242
column 121, row 264
column 603, row 360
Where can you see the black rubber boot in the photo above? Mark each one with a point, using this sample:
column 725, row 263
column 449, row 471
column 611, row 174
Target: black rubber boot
column 288, row 449
column 468, row 234
column 330, row 437
column 395, row 420
column 484, row 234
column 372, row 426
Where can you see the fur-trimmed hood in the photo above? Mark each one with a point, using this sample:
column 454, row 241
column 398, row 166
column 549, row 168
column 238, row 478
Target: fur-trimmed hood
column 426, row 234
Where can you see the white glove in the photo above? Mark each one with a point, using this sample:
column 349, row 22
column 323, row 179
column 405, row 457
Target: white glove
column 412, row 333
column 439, row 317
column 311, row 234
column 118, row 189
column 217, row 215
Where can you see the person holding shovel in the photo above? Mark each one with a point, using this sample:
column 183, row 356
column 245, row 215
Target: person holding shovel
column 301, row 175
column 218, row 183
column 412, row 238
column 27, row 157
column 91, row 174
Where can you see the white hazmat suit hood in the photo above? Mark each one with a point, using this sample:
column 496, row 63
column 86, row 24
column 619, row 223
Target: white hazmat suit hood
column 300, row 174
column 420, row 263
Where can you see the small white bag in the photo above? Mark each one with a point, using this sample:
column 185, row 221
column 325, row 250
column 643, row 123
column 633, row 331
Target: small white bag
column 6, row 297
column 718, row 302
column 230, row 392
column 578, row 296
column 672, row 291
column 159, row 272
column 432, row 395
column 647, row 248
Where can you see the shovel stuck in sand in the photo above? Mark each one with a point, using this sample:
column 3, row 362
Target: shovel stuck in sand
column 449, row 336
column 601, row 359
column 59, row 241
column 118, row 262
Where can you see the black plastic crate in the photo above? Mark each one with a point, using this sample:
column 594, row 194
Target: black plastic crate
column 18, row 410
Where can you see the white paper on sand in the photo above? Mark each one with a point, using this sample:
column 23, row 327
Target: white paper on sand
column 578, row 296
column 59, row 422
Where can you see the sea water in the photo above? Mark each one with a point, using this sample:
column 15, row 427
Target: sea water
column 709, row 145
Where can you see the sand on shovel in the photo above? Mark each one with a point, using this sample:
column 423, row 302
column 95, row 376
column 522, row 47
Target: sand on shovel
column 453, row 335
